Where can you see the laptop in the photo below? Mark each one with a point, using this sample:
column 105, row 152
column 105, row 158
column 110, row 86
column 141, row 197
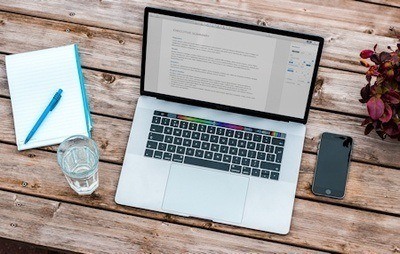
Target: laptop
column 219, row 126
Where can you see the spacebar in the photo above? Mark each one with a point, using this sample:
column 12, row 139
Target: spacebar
column 206, row 163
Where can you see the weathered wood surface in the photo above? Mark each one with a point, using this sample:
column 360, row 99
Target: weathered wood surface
column 81, row 229
column 109, row 38
column 312, row 222
column 114, row 50
column 395, row 3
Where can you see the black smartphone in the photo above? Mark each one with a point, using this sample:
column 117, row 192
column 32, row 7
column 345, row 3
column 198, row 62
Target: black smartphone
column 330, row 177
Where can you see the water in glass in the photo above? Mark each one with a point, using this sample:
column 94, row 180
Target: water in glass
column 78, row 157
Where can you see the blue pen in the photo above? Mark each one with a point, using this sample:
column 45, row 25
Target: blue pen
column 53, row 103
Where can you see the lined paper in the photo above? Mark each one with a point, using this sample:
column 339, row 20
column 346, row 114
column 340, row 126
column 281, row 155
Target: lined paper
column 33, row 79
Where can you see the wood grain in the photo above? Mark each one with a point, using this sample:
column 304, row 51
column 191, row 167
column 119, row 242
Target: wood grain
column 81, row 229
column 120, row 52
column 312, row 222
column 128, row 15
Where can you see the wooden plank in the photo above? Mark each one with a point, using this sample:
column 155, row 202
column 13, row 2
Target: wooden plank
column 313, row 224
column 116, row 95
column 128, row 15
column 369, row 149
column 88, row 230
column 120, row 52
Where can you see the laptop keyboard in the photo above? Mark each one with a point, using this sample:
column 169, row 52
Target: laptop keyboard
column 217, row 145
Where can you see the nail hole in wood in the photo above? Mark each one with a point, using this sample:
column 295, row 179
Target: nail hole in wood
column 67, row 30
column 72, row 14
column 24, row 184
column 14, row 225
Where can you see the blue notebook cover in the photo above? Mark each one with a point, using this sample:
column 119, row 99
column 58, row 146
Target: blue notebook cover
column 84, row 95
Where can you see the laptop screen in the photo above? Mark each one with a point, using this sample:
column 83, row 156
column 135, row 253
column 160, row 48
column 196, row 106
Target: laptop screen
column 228, row 65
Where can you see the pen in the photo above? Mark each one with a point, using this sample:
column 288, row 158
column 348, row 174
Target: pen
column 53, row 103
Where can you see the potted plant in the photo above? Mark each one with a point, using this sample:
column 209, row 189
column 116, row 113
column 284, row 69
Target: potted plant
column 382, row 91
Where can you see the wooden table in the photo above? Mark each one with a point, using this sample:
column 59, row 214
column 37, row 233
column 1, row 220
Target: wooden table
column 37, row 206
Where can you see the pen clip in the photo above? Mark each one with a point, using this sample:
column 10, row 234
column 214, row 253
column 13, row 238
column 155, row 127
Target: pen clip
column 56, row 99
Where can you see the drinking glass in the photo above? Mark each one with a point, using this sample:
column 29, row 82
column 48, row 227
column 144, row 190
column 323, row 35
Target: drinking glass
column 78, row 157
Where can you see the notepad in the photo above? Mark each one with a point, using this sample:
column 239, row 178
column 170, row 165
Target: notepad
column 33, row 79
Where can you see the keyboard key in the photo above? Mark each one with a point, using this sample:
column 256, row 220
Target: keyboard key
column 232, row 142
column 233, row 150
column 148, row 153
column 246, row 170
column 199, row 153
column 158, row 113
column 177, row 158
column 168, row 139
column 196, row 144
column 156, row 119
column 229, row 133
column 187, row 142
column 255, row 163
column 236, row 159
column 251, row 154
column 223, row 140
column 178, row 141
column 260, row 147
column 208, row 155
column 162, row 146
column 227, row 158
column 205, row 137
column 158, row 154
column 239, row 134
column 190, row 151
column 257, row 137
column 220, row 131
column 186, row 134
column 156, row 136
column 202, row 128
column 274, row 176
column 214, row 138
column 251, row 145
column 177, row 132
column 236, row 168
column 183, row 125
column 192, row 126
column 195, row 135
column 180, row 150
column 207, row 163
column 167, row 156
column 242, row 152
column 156, row 128
column 211, row 129
column 151, row 144
column 165, row 121
column 174, row 123
column 171, row 148
column 264, row 173
column 223, row 149
column 242, row 143
column 270, row 166
column 278, row 141
column 205, row 145
column 255, row 172
column 261, row 155
column 168, row 130
column 266, row 139
column 218, row 156
column 248, row 136
column 270, row 157
column 245, row 161
column 279, row 153
column 269, row 149
column 214, row 147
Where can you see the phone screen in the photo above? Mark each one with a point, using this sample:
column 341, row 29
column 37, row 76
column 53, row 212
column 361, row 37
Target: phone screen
column 332, row 165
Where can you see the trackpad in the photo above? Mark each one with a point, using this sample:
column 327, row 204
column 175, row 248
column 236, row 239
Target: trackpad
column 205, row 193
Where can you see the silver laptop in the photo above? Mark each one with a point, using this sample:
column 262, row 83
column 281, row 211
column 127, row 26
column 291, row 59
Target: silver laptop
column 219, row 127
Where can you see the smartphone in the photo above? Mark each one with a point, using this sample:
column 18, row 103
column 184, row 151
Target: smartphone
column 330, row 177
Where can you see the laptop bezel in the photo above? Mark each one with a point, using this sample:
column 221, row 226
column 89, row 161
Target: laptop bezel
column 268, row 115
